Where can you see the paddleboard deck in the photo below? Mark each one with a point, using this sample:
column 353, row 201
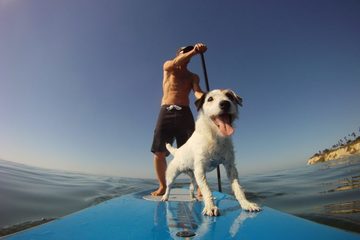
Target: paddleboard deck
column 177, row 195
column 133, row 217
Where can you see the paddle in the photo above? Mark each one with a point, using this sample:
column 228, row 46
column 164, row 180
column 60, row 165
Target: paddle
column 208, row 89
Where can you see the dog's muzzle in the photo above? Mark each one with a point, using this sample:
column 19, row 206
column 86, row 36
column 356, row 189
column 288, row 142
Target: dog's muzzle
column 225, row 105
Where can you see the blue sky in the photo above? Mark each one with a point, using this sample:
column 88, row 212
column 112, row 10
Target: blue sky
column 80, row 81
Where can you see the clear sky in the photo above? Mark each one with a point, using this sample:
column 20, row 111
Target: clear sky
column 80, row 80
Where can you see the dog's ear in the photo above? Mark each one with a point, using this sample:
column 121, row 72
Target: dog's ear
column 200, row 102
column 239, row 100
column 234, row 97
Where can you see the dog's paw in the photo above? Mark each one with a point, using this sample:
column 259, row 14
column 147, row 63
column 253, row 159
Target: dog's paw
column 251, row 207
column 164, row 198
column 211, row 211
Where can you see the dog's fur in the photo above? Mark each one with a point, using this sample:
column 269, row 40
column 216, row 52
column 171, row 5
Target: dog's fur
column 209, row 146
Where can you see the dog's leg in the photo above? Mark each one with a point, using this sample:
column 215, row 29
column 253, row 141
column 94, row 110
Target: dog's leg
column 192, row 185
column 237, row 189
column 171, row 173
column 209, row 209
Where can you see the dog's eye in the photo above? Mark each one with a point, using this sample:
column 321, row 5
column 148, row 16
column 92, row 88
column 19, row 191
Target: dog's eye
column 210, row 99
column 230, row 96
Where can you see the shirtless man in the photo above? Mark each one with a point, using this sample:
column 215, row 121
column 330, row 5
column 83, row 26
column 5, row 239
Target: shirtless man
column 175, row 119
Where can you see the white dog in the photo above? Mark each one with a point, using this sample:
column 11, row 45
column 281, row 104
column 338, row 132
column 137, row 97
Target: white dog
column 209, row 146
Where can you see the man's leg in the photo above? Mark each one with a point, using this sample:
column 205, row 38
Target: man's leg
column 160, row 170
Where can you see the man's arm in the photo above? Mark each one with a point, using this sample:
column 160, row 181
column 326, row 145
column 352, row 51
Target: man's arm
column 184, row 58
column 196, row 87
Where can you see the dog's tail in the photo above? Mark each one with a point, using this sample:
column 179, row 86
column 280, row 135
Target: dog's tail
column 171, row 149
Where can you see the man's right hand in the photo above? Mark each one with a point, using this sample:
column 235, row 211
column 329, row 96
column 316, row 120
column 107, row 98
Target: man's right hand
column 200, row 48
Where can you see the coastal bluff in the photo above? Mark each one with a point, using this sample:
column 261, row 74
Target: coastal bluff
column 346, row 150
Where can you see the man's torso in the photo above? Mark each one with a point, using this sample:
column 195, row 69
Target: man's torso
column 177, row 85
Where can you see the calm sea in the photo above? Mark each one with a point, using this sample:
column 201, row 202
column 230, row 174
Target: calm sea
column 328, row 193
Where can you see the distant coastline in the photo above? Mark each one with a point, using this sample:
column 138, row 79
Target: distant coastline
column 351, row 147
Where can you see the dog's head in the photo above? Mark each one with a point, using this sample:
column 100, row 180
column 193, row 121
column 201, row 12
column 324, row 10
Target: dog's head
column 221, row 107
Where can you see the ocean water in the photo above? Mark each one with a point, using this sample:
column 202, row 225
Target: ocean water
column 328, row 193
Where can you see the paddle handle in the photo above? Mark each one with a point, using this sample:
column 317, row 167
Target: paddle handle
column 205, row 72
column 208, row 89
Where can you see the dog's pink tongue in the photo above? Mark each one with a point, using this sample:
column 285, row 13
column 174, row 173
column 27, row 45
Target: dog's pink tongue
column 224, row 124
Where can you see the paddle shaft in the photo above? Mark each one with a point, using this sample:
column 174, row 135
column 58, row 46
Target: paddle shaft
column 208, row 89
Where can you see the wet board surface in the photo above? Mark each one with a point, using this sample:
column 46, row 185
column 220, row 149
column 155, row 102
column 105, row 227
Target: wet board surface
column 176, row 194
column 133, row 217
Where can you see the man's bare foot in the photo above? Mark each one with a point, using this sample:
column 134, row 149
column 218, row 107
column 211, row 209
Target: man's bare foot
column 159, row 192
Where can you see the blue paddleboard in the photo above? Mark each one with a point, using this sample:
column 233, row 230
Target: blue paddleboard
column 133, row 217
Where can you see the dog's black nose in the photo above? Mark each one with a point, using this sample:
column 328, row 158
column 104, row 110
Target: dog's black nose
column 224, row 105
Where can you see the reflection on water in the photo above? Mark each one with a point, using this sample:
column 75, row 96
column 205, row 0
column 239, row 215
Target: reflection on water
column 343, row 208
column 348, row 184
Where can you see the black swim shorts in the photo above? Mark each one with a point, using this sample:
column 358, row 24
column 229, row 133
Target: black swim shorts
column 173, row 123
